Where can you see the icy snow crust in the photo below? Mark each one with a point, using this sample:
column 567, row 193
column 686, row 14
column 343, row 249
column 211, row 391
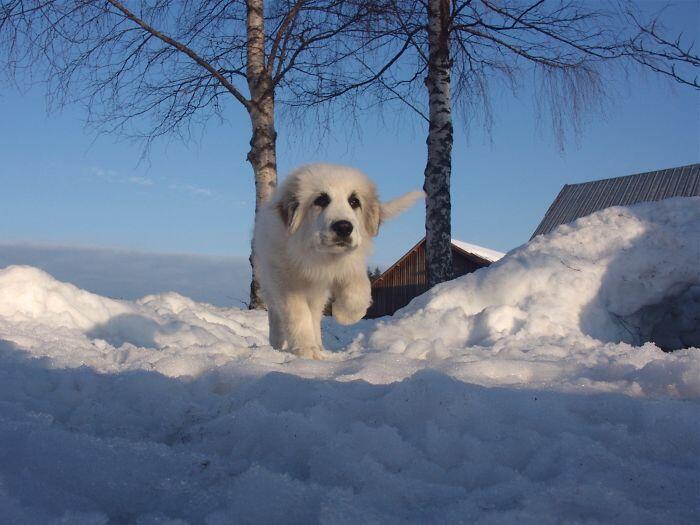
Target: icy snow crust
column 505, row 396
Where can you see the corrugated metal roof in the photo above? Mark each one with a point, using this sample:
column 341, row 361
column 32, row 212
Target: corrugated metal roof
column 579, row 200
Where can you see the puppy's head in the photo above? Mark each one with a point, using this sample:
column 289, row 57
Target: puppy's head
column 329, row 208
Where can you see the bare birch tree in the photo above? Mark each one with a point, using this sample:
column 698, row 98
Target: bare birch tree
column 150, row 68
column 438, row 170
column 459, row 50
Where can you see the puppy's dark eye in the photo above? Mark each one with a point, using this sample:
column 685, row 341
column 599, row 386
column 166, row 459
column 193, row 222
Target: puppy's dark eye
column 354, row 202
column 322, row 200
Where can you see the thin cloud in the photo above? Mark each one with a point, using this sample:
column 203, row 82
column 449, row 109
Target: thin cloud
column 112, row 176
column 141, row 181
column 194, row 190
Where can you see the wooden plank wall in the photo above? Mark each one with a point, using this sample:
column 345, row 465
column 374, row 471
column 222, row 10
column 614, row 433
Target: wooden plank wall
column 407, row 279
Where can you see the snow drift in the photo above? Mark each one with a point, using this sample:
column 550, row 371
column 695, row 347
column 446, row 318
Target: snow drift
column 517, row 394
column 543, row 313
column 593, row 277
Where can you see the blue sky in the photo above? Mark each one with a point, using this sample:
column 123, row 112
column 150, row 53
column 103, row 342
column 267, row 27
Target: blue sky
column 62, row 184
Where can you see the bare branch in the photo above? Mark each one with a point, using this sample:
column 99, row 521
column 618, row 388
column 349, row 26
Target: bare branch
column 183, row 49
column 662, row 55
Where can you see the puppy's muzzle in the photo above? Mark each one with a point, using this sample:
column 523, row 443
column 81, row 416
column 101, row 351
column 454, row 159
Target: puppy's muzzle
column 342, row 229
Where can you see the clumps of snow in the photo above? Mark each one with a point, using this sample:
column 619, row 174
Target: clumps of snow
column 74, row 327
column 31, row 295
column 517, row 394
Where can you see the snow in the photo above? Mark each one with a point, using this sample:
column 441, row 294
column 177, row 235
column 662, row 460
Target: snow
column 480, row 251
column 552, row 312
column 527, row 392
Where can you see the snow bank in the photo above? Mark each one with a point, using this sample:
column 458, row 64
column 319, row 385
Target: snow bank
column 31, row 295
column 166, row 333
column 517, row 394
column 543, row 314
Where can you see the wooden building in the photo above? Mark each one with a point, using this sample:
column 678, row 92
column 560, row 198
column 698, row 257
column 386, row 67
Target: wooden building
column 406, row 278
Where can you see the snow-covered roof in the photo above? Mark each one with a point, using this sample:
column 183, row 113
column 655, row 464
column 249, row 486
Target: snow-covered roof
column 479, row 251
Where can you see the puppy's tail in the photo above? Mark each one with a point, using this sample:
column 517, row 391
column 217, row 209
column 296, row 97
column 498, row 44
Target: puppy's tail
column 400, row 204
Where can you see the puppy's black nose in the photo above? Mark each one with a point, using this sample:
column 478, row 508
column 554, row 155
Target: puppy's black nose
column 342, row 228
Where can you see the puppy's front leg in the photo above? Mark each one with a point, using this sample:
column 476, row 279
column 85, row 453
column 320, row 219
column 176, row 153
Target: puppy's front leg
column 276, row 331
column 299, row 327
column 352, row 297
column 317, row 303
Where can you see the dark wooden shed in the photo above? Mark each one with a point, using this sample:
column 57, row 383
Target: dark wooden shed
column 406, row 278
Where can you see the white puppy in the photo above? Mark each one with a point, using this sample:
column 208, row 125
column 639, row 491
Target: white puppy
column 310, row 245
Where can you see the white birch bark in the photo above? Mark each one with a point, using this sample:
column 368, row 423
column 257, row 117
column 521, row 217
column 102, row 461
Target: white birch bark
column 262, row 155
column 439, row 166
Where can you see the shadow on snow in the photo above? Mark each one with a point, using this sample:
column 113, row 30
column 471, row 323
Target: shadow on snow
column 282, row 448
column 669, row 317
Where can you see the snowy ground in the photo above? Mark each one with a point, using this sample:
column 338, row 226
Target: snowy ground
column 518, row 394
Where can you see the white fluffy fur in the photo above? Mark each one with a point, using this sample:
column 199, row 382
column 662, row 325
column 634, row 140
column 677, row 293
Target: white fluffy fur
column 301, row 264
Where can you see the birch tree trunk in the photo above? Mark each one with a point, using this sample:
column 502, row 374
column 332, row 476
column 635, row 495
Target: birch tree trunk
column 438, row 231
column 263, row 154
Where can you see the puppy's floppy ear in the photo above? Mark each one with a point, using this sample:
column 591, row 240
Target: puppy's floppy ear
column 288, row 206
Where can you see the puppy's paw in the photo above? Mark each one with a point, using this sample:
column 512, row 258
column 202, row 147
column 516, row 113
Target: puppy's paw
column 309, row 352
column 348, row 315
column 351, row 299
